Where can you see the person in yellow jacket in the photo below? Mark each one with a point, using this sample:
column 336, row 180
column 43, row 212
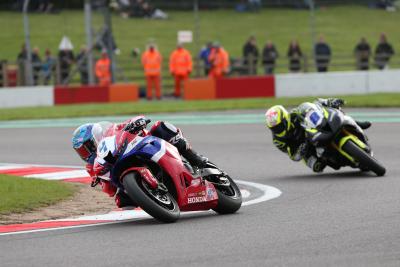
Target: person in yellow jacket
column 151, row 61
column 102, row 69
column 219, row 60
column 180, row 66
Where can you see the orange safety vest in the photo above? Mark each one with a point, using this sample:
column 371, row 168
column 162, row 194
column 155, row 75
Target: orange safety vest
column 180, row 62
column 102, row 70
column 151, row 61
column 219, row 60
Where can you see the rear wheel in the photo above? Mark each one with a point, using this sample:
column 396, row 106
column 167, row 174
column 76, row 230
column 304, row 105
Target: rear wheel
column 159, row 204
column 366, row 161
column 229, row 196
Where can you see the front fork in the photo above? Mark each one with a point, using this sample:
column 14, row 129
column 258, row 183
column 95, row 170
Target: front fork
column 346, row 138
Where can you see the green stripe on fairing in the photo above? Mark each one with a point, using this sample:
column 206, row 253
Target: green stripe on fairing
column 199, row 119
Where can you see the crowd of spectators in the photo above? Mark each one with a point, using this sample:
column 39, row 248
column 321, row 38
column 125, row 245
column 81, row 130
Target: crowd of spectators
column 322, row 55
column 39, row 6
column 214, row 59
column 138, row 9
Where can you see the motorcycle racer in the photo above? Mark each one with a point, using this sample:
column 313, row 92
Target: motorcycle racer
column 87, row 137
column 289, row 136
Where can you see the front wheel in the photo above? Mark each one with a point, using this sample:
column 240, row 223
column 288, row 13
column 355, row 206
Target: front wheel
column 366, row 161
column 159, row 204
column 229, row 196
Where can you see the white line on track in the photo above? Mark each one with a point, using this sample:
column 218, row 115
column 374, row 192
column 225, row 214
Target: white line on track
column 59, row 175
column 268, row 193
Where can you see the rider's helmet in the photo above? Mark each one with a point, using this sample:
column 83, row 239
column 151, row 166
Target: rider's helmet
column 84, row 143
column 278, row 120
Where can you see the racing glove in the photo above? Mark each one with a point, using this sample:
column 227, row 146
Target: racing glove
column 136, row 126
column 335, row 102
column 332, row 102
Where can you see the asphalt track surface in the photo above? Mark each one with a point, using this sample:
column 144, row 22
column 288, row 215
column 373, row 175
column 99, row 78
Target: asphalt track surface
column 338, row 218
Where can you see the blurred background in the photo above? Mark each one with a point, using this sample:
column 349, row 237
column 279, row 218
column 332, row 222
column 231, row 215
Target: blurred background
column 261, row 37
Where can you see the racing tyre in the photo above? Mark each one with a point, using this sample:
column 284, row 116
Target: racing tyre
column 161, row 205
column 366, row 161
column 229, row 197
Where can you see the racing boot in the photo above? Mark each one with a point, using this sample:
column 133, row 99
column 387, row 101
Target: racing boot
column 124, row 201
column 364, row 124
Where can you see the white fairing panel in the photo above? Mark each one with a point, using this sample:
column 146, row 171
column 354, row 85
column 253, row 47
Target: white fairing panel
column 106, row 146
column 156, row 157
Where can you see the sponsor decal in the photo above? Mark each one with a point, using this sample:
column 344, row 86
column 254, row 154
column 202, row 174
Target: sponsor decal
column 197, row 194
column 313, row 119
column 210, row 193
column 192, row 200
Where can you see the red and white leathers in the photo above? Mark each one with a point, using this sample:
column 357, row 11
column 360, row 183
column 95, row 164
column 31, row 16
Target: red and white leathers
column 163, row 130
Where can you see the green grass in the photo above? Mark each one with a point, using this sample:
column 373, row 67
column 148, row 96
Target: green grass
column 342, row 25
column 19, row 194
column 144, row 107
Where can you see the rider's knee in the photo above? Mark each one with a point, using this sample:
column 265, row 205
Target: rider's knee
column 166, row 131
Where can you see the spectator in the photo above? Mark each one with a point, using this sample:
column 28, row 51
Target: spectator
column 204, row 55
column 102, row 69
column 107, row 41
column 65, row 58
column 254, row 5
column 22, row 56
column 250, row 55
column 21, row 61
column 124, row 7
column 45, row 6
column 385, row 4
column 137, row 8
column 383, row 52
column 362, row 52
column 82, row 61
column 269, row 56
column 248, row 5
column 36, row 65
column 295, row 55
column 151, row 60
column 180, row 66
column 48, row 66
column 322, row 55
column 219, row 60
column 141, row 8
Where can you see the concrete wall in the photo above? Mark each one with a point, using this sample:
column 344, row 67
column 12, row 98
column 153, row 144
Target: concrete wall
column 337, row 83
column 281, row 85
column 26, row 96
column 384, row 81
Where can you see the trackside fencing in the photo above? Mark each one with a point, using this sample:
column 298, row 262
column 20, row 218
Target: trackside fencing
column 281, row 85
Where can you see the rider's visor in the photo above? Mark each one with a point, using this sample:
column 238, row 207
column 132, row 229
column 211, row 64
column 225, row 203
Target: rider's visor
column 86, row 150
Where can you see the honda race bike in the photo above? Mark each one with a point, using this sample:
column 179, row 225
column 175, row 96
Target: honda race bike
column 154, row 175
column 338, row 139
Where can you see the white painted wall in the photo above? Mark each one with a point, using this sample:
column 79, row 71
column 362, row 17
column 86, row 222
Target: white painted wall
column 337, row 83
column 26, row 96
column 384, row 81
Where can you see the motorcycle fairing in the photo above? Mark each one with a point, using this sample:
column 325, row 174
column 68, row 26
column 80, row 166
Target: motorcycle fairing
column 192, row 193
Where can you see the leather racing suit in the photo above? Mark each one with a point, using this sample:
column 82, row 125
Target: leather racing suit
column 295, row 143
column 164, row 130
